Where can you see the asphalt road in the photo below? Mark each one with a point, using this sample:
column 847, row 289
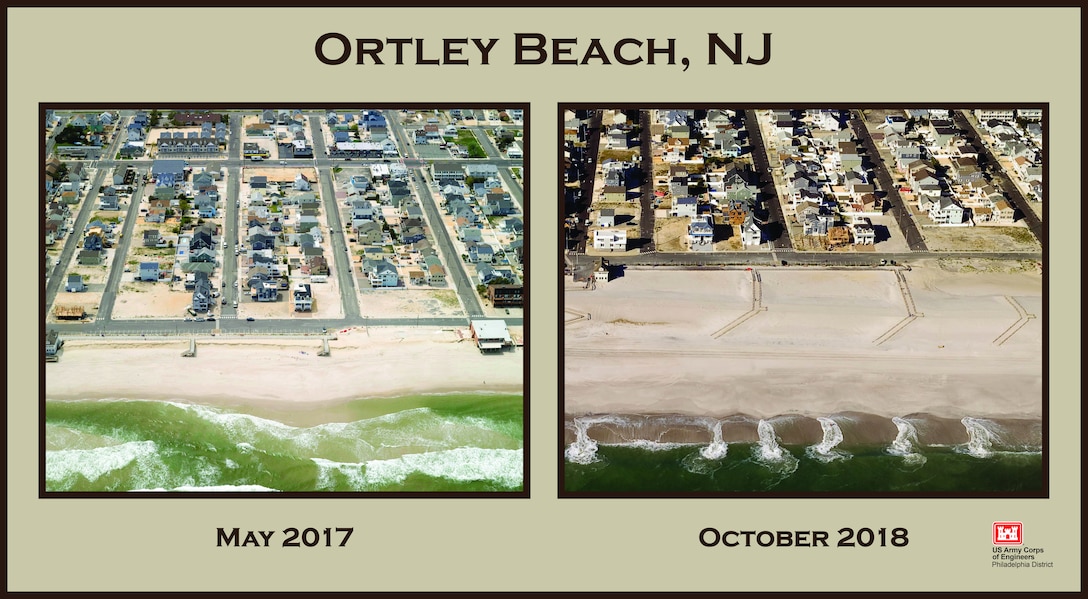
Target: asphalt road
column 113, row 282
column 767, row 189
column 646, row 196
column 899, row 209
column 337, row 243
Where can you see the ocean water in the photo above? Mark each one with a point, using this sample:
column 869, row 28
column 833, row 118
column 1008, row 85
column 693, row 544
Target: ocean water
column 636, row 455
column 427, row 443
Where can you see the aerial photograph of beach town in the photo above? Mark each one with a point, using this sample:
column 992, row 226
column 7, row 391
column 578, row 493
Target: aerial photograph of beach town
column 283, row 299
column 803, row 300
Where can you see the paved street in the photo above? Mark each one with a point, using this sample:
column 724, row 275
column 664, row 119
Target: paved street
column 777, row 232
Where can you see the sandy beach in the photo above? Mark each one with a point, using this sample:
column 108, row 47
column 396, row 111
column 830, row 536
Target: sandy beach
column 814, row 343
column 283, row 373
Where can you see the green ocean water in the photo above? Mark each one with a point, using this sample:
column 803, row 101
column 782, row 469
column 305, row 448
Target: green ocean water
column 426, row 443
column 681, row 468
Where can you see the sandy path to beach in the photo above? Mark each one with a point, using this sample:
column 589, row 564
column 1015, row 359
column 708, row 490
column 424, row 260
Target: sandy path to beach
column 652, row 342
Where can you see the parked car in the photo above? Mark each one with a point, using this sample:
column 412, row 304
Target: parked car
column 249, row 319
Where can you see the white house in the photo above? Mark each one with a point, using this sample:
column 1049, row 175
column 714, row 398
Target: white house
column 701, row 231
column 302, row 297
column 75, row 284
column 946, row 212
column 750, row 233
column 864, row 234
column 687, row 207
column 610, row 239
column 149, row 271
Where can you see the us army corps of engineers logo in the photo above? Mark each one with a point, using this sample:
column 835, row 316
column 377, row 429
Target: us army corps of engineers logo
column 1008, row 533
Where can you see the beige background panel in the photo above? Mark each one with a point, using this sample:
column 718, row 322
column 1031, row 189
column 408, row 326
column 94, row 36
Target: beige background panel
column 850, row 56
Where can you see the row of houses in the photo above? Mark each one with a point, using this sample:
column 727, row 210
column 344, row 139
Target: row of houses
column 942, row 172
column 828, row 182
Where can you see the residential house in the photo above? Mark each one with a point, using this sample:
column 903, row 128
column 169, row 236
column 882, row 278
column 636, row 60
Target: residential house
column 490, row 335
column 944, row 211
column 469, row 233
column 205, row 206
column 964, row 171
column 607, row 218
column 750, row 233
column 151, row 238
column 864, row 233
column 202, row 292
column 202, row 255
column 381, row 273
column 1003, row 212
column 436, row 273
column 53, row 342
column 686, row 207
column 615, row 194
column 265, row 291
column 168, row 172
column 610, row 239
column 481, row 252
column 505, row 295
column 701, row 231
column 737, row 211
column 75, row 284
column 906, row 154
column 302, row 297
column 368, row 233
column 512, row 225
column 317, row 265
column 148, row 271
column 108, row 200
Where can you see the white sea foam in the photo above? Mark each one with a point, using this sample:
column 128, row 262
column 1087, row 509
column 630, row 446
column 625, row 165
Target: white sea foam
column 768, row 449
column 651, row 445
column 503, row 466
column 769, row 453
column 903, row 445
column 718, row 448
column 825, row 451
column 92, row 464
column 981, row 436
column 584, row 449
column 213, row 489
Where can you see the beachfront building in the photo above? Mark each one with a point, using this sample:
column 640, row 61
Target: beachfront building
column 701, row 232
column 610, row 239
column 302, row 297
column 53, row 342
column 490, row 335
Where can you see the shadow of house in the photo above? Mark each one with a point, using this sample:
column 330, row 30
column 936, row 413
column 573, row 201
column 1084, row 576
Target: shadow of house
column 722, row 232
